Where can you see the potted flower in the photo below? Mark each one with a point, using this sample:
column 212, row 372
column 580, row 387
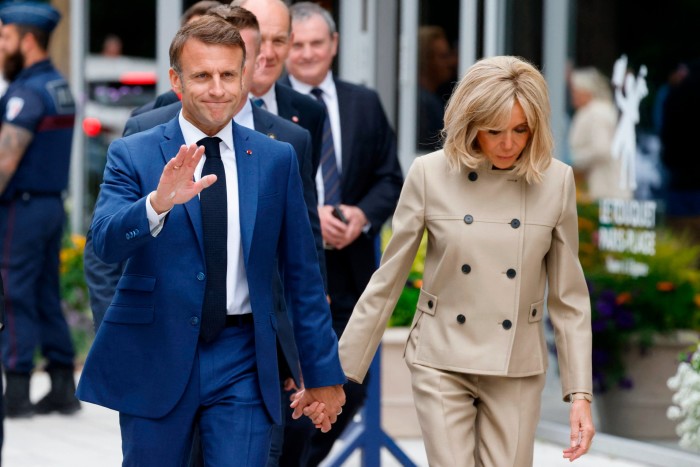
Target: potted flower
column 640, row 323
column 398, row 408
column 74, row 294
column 686, row 399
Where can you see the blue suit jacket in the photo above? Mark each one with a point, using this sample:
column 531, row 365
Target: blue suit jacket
column 143, row 352
column 102, row 278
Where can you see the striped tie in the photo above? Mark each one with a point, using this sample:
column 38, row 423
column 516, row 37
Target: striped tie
column 329, row 167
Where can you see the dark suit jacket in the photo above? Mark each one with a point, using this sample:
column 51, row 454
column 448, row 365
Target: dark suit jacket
column 167, row 98
column 371, row 180
column 142, row 356
column 2, row 310
column 304, row 111
column 102, row 278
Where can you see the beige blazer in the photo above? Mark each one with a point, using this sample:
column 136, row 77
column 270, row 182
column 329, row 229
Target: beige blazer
column 493, row 242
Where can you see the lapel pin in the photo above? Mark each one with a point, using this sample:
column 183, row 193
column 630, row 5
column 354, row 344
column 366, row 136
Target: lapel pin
column 249, row 152
column 272, row 135
column 295, row 119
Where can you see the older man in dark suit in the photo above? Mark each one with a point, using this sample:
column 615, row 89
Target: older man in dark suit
column 359, row 176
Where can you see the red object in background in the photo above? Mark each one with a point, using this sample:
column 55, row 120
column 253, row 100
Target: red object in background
column 135, row 78
column 92, row 126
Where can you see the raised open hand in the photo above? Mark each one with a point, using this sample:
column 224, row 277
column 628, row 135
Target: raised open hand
column 177, row 185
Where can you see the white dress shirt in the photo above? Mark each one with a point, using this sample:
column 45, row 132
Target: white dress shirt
column 270, row 99
column 245, row 116
column 330, row 97
column 237, row 292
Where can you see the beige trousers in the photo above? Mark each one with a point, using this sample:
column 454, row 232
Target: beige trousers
column 475, row 420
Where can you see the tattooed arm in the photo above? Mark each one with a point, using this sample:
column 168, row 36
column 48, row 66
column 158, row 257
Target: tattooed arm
column 13, row 143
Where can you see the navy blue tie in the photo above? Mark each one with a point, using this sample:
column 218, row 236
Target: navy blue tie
column 215, row 230
column 260, row 103
column 329, row 166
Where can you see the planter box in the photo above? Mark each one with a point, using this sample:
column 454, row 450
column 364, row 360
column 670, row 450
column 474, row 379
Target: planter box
column 399, row 417
column 640, row 412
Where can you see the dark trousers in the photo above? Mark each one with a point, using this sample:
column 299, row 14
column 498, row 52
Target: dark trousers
column 31, row 231
column 223, row 395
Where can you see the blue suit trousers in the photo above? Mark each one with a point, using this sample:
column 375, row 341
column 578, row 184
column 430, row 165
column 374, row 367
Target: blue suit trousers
column 223, row 396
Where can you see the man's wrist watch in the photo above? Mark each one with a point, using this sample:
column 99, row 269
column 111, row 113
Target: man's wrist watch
column 577, row 396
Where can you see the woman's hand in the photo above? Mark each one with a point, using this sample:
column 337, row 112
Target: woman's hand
column 582, row 430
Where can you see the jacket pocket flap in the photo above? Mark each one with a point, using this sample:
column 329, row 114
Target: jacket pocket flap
column 427, row 303
column 536, row 312
column 129, row 314
column 139, row 283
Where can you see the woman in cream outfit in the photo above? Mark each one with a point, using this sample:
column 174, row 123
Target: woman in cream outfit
column 591, row 135
column 501, row 220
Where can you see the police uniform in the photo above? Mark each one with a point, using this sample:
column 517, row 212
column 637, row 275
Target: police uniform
column 31, row 211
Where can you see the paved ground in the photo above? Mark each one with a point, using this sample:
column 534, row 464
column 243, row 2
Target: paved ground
column 91, row 439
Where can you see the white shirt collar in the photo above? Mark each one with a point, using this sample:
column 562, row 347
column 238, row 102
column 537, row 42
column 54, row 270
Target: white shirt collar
column 245, row 116
column 192, row 134
column 270, row 98
column 327, row 85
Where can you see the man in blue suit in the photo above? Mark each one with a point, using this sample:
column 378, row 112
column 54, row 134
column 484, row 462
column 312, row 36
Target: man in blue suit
column 192, row 327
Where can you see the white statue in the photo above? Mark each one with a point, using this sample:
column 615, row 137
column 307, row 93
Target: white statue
column 629, row 91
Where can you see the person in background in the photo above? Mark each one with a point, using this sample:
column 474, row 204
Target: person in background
column 500, row 215
column 38, row 114
column 112, row 46
column 591, row 134
column 358, row 182
column 678, row 154
column 436, row 67
column 269, row 90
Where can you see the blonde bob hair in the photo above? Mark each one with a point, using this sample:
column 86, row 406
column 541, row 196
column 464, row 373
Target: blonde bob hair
column 484, row 99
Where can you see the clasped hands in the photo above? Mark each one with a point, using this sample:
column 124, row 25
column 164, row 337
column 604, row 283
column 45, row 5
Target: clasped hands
column 322, row 405
column 177, row 185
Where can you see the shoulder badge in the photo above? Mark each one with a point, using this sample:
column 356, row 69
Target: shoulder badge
column 14, row 107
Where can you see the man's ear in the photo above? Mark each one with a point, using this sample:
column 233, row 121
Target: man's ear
column 260, row 62
column 175, row 81
column 334, row 40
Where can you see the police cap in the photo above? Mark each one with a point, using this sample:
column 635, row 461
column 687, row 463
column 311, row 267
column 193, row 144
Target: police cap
column 40, row 15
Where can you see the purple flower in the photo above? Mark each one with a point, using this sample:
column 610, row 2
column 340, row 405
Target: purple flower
column 598, row 325
column 625, row 383
column 624, row 319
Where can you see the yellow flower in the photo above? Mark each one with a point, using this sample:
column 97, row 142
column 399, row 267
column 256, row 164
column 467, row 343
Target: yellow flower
column 78, row 241
column 585, row 224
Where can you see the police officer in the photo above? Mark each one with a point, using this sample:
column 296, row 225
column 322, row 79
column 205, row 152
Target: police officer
column 37, row 113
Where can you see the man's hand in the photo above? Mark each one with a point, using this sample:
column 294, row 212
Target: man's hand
column 322, row 405
column 582, row 430
column 177, row 185
column 334, row 231
column 356, row 222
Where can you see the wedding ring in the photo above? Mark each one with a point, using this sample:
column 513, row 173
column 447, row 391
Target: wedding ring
column 340, row 411
column 177, row 167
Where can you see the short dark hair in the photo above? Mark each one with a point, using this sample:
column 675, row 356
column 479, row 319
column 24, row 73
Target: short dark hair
column 238, row 17
column 198, row 9
column 41, row 36
column 208, row 29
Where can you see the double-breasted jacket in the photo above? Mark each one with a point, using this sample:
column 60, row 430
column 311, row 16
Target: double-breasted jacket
column 494, row 243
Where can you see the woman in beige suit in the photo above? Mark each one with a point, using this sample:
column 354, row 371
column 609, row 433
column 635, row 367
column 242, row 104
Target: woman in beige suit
column 501, row 220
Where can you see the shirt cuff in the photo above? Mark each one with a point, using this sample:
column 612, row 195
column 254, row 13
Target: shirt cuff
column 155, row 221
